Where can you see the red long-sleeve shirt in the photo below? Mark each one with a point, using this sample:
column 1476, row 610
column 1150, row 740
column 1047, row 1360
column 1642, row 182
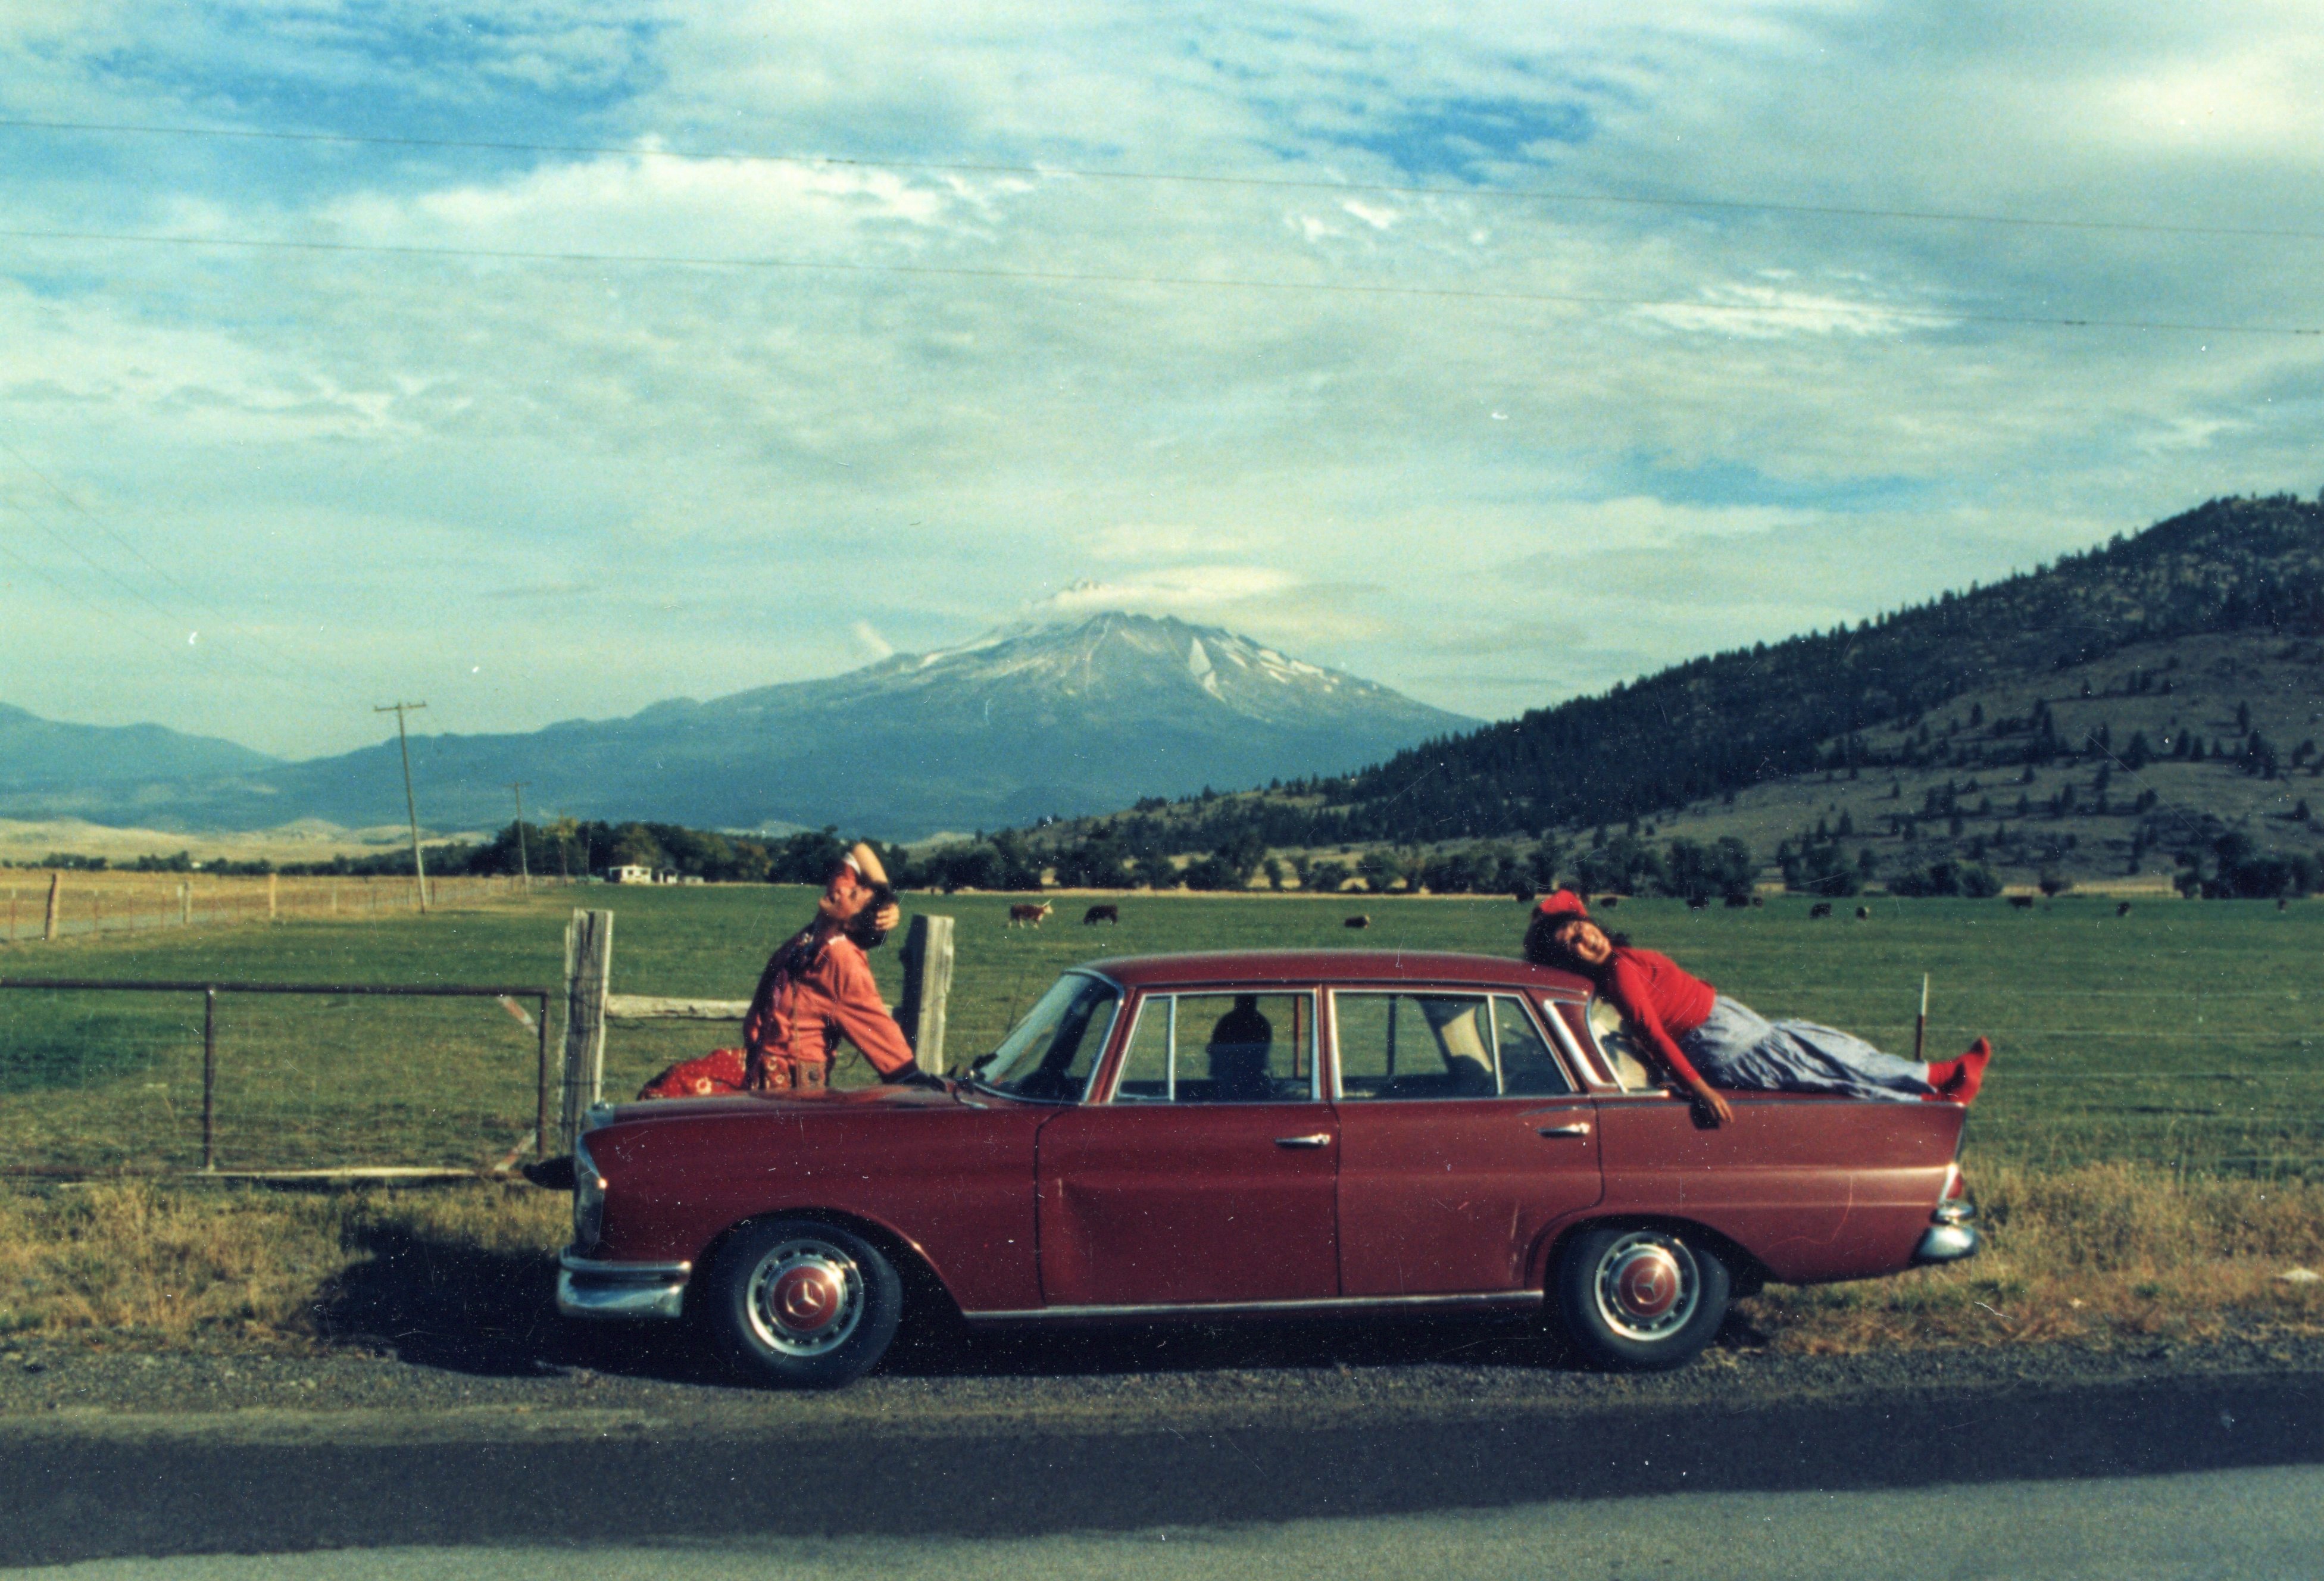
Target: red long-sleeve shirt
column 812, row 995
column 1662, row 1001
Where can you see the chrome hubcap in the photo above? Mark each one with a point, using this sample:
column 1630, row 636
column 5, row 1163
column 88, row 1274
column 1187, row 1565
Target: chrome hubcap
column 807, row 1297
column 1647, row 1285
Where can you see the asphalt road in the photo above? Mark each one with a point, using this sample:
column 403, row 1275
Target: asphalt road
column 2219, row 1526
column 1337, row 1460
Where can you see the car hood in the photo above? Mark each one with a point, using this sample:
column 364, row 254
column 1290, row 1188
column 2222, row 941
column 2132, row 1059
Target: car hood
column 849, row 1101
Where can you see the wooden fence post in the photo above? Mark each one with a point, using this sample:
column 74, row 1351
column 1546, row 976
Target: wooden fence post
column 273, row 910
column 56, row 894
column 927, row 983
column 588, row 970
column 185, row 904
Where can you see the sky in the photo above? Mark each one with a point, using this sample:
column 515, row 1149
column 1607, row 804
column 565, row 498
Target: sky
column 540, row 361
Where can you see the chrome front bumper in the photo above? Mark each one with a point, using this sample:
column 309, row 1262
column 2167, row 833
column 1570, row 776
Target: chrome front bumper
column 1948, row 1243
column 586, row 1288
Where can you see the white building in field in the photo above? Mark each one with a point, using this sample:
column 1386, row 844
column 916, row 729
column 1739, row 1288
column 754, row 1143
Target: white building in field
column 630, row 873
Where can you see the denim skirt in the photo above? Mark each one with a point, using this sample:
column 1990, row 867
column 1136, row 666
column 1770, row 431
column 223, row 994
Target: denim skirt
column 1737, row 1047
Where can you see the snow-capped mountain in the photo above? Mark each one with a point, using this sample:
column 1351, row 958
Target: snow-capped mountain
column 1028, row 721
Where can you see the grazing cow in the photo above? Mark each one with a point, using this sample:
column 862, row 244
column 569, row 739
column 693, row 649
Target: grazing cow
column 1821, row 908
column 1029, row 913
column 1102, row 913
column 1758, row 900
column 1698, row 903
column 2021, row 903
column 2282, row 905
column 1862, row 913
column 1609, row 902
column 1358, row 921
column 1738, row 902
column 2122, row 910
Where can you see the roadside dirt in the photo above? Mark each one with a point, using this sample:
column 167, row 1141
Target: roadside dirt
column 1307, row 1379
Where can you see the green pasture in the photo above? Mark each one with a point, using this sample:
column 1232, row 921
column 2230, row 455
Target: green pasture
column 2181, row 1035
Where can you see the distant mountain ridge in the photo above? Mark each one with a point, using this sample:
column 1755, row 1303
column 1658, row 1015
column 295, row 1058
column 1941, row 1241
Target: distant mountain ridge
column 1727, row 721
column 1022, row 723
column 51, row 761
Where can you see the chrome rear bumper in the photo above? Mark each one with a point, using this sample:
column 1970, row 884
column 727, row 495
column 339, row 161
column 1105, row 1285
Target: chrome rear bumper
column 586, row 1288
column 1948, row 1243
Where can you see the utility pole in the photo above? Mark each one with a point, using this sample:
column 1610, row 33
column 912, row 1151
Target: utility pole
column 523, row 862
column 410, row 806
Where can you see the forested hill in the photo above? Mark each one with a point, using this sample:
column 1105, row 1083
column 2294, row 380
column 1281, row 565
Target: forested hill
column 1722, row 722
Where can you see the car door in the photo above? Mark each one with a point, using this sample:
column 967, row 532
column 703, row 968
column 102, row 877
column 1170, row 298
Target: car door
column 1462, row 1139
column 1206, row 1175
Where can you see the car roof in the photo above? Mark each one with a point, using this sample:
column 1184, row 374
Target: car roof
column 1223, row 967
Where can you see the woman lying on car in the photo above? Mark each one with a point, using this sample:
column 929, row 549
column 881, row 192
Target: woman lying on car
column 1708, row 1041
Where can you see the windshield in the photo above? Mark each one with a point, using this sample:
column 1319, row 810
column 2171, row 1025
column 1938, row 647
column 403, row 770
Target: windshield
column 1050, row 1053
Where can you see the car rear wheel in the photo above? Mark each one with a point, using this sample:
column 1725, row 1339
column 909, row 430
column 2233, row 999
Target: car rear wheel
column 804, row 1304
column 1641, row 1299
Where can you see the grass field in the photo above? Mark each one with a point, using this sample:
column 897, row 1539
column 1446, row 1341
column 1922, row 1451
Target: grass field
column 2178, row 1037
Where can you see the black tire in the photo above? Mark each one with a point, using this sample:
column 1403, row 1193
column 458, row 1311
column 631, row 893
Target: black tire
column 1641, row 1299
column 802, row 1304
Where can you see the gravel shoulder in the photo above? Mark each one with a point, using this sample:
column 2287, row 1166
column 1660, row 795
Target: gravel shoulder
column 1298, row 1381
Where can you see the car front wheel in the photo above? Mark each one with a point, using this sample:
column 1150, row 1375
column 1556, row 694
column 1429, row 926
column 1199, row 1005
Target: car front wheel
column 1641, row 1299
column 808, row 1305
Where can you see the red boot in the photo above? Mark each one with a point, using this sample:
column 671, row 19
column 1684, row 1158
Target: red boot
column 1968, row 1074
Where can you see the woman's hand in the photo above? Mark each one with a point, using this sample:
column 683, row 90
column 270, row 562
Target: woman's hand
column 886, row 918
column 1710, row 1107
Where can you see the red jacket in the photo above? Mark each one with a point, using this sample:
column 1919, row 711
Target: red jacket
column 1660, row 1000
column 813, row 992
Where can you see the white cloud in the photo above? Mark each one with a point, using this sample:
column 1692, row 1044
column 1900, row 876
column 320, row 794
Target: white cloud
column 400, row 446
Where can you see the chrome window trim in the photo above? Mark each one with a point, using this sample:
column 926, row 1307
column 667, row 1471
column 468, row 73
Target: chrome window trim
column 1579, row 1073
column 1576, row 1072
column 1596, row 1071
column 1174, row 993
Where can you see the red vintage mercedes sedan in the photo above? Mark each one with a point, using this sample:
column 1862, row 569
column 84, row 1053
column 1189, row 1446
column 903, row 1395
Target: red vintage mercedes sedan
column 1268, row 1134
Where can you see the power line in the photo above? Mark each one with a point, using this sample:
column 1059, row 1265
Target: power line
column 1936, row 316
column 1193, row 177
column 107, row 572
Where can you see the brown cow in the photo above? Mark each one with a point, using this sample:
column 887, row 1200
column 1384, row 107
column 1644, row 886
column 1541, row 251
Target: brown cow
column 1101, row 913
column 1029, row 913
column 1821, row 908
column 1358, row 921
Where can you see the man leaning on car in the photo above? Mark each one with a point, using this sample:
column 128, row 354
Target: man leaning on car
column 816, row 990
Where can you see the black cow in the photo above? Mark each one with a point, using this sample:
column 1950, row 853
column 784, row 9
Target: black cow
column 1102, row 913
column 1358, row 921
column 1821, row 908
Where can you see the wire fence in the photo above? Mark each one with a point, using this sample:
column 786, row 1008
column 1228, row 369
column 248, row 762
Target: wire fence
column 86, row 903
column 101, row 1077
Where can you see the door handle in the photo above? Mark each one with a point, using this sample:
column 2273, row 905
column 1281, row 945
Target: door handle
column 1578, row 1128
column 1312, row 1139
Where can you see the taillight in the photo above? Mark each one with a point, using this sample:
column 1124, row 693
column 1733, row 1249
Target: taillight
column 1953, row 1204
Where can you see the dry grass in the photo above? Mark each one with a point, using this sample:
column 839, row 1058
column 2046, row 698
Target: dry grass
column 2099, row 1253
column 2103, row 1252
column 176, row 1265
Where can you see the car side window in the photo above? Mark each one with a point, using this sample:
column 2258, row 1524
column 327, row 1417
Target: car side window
column 1221, row 1048
column 1527, row 1066
column 1414, row 1046
column 1630, row 1071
